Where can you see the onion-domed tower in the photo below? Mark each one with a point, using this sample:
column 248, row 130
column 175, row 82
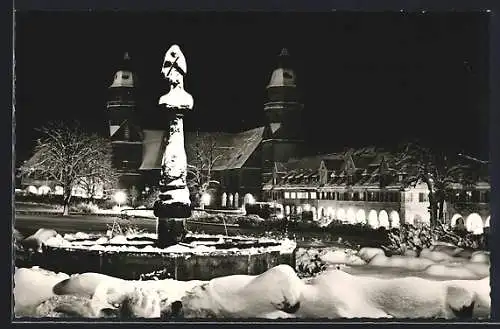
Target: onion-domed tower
column 124, row 131
column 282, row 138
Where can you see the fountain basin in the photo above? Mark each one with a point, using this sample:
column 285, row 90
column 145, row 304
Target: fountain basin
column 200, row 257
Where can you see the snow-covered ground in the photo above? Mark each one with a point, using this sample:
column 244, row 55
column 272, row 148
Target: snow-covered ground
column 444, row 282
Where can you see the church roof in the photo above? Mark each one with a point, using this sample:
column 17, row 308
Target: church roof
column 154, row 144
column 231, row 150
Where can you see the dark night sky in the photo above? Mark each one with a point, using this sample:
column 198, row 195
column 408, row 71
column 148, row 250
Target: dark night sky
column 367, row 78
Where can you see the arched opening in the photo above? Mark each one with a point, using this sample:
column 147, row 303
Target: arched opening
column 43, row 190
column 230, row 200
column 383, row 219
column 394, row 217
column 32, row 189
column 341, row 215
column 373, row 219
column 223, row 199
column 287, row 210
column 248, row 199
column 236, row 200
column 351, row 216
column 314, row 213
column 487, row 222
column 361, row 216
column 58, row 190
column 279, row 210
column 474, row 224
column 454, row 220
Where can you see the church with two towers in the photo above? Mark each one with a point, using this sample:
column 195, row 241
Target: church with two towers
column 241, row 162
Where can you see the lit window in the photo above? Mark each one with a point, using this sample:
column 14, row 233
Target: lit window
column 293, row 195
column 287, row 195
column 313, row 195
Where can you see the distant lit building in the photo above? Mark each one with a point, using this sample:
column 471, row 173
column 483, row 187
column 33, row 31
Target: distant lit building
column 363, row 188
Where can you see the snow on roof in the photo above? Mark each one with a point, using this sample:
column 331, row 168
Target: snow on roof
column 233, row 150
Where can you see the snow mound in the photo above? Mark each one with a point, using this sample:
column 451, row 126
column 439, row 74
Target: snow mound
column 342, row 257
column 367, row 253
column 480, row 257
column 32, row 286
column 338, row 294
column 409, row 263
column 276, row 293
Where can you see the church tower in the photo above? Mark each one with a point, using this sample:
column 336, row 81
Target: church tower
column 124, row 131
column 282, row 139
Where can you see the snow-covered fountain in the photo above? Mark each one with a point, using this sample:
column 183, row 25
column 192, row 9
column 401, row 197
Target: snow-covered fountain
column 180, row 255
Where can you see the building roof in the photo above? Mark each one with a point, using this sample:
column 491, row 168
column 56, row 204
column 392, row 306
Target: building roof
column 231, row 151
column 154, row 144
column 283, row 75
column 123, row 78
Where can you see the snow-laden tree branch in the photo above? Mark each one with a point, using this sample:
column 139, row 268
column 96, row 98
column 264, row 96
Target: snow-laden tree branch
column 204, row 155
column 437, row 171
column 69, row 157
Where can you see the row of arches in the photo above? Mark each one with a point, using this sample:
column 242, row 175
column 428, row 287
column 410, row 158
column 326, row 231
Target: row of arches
column 352, row 216
column 44, row 190
column 473, row 222
column 77, row 191
column 231, row 200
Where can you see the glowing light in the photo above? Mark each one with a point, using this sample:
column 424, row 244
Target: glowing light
column 307, row 207
column 120, row 197
column 249, row 198
column 205, row 199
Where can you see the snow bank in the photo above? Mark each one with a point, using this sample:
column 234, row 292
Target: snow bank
column 277, row 293
column 36, row 240
column 33, row 286
column 342, row 257
column 367, row 253
column 338, row 294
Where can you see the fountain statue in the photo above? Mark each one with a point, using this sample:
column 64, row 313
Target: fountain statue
column 173, row 205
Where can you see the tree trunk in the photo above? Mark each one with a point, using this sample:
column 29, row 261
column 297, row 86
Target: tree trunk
column 432, row 209
column 441, row 211
column 67, row 198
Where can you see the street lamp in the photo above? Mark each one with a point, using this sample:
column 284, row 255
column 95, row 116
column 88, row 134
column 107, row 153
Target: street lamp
column 120, row 197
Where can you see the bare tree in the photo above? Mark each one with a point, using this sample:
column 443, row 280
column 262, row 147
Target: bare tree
column 69, row 157
column 438, row 171
column 204, row 155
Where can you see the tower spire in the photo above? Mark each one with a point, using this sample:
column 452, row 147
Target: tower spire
column 284, row 58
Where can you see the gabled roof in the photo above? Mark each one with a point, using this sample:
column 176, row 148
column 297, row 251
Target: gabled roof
column 235, row 149
column 232, row 150
column 117, row 133
column 154, row 144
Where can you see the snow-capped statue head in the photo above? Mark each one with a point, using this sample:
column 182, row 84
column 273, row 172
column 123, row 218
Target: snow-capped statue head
column 174, row 69
column 174, row 65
